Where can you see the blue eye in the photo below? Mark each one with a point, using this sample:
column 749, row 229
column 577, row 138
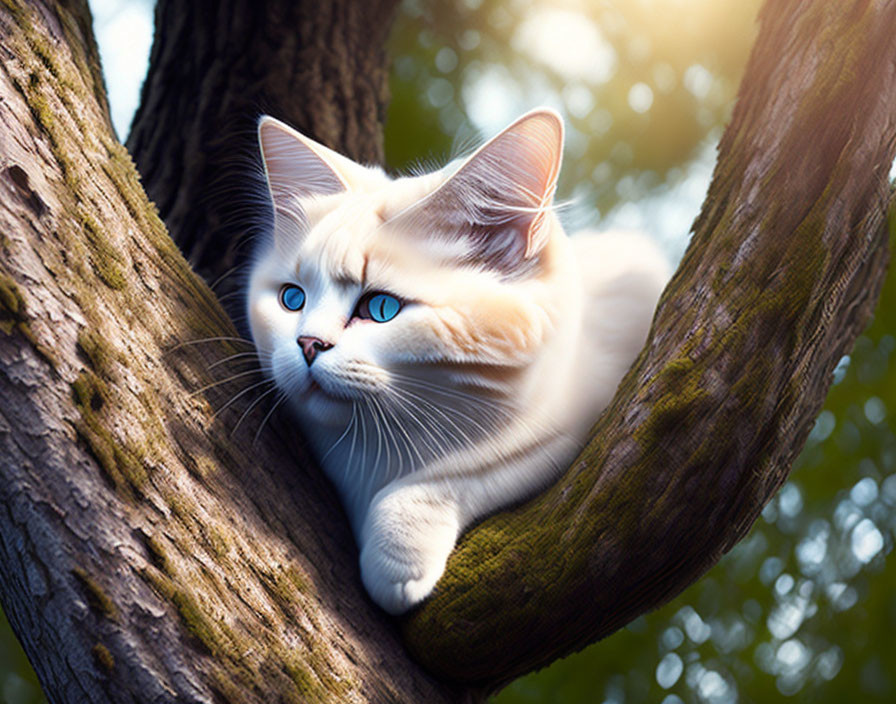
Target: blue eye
column 292, row 297
column 380, row 307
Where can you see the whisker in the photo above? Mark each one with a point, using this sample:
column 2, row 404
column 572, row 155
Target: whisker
column 221, row 338
column 442, row 413
column 408, row 442
column 230, row 358
column 264, row 420
column 437, row 448
column 379, row 438
column 348, row 427
column 223, row 276
column 456, row 393
column 240, row 395
column 252, row 405
column 234, row 377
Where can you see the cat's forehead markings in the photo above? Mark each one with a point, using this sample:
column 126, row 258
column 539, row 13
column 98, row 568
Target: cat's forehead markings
column 346, row 277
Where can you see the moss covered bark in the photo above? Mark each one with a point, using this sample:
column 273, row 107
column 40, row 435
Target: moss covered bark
column 149, row 549
column 783, row 271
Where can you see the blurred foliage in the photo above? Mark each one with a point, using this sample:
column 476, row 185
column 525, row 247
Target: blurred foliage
column 18, row 683
column 641, row 85
column 805, row 606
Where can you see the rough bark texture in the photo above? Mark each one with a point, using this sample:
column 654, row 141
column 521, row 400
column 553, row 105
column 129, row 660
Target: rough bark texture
column 215, row 67
column 145, row 555
column 150, row 550
column 783, row 272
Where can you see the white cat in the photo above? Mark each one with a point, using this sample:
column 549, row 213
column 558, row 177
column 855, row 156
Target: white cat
column 444, row 345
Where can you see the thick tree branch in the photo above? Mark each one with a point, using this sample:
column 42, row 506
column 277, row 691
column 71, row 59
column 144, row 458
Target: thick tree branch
column 783, row 272
column 145, row 555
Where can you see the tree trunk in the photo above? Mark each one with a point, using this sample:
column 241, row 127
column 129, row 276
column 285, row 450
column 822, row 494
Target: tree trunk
column 151, row 549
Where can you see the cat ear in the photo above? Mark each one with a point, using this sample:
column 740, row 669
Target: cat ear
column 497, row 202
column 296, row 166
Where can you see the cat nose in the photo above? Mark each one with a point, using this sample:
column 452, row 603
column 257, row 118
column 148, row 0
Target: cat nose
column 311, row 346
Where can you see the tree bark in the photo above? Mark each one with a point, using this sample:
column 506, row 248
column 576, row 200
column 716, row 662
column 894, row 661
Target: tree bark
column 784, row 269
column 151, row 549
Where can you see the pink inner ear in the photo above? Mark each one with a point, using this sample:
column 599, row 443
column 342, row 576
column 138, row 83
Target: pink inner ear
column 498, row 200
column 294, row 167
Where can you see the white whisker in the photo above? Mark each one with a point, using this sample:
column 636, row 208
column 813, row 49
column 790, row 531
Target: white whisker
column 240, row 395
column 264, row 420
column 226, row 380
column 348, row 427
column 221, row 338
column 232, row 357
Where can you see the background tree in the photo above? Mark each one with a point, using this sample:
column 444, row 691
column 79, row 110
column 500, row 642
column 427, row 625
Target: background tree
column 109, row 271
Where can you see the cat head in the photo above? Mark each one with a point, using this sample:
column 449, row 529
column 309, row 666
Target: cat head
column 376, row 292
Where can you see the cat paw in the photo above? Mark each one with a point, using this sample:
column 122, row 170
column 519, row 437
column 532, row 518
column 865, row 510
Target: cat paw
column 396, row 586
column 407, row 537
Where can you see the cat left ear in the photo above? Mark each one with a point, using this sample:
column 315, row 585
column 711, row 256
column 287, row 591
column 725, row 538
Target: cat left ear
column 296, row 166
column 497, row 202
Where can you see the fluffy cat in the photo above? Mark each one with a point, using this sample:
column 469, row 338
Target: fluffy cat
column 444, row 345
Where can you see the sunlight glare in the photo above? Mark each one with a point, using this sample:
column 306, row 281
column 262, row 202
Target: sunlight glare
column 568, row 43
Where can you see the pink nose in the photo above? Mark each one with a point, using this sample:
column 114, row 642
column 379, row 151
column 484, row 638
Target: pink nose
column 311, row 346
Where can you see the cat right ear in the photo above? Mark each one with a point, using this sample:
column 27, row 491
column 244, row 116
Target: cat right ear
column 297, row 167
column 498, row 201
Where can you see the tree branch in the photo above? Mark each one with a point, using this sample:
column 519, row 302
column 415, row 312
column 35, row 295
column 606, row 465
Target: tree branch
column 145, row 555
column 784, row 269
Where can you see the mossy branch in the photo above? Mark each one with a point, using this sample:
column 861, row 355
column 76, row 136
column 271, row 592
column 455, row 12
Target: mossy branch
column 783, row 272
column 150, row 549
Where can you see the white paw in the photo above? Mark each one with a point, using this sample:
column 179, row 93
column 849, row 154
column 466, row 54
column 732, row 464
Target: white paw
column 407, row 537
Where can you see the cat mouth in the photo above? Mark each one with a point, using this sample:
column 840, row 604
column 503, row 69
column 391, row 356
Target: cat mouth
column 315, row 389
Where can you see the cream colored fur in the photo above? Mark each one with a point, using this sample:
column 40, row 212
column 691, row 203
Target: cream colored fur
column 480, row 391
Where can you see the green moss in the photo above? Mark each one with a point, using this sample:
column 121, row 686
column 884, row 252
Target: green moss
column 107, row 263
column 329, row 685
column 225, row 688
column 10, row 299
column 158, row 554
column 216, row 637
column 103, row 657
column 96, row 597
column 196, row 622
column 122, row 464
column 218, row 542
column 283, row 584
column 159, row 581
column 77, row 26
column 681, row 390
column 303, row 679
column 98, row 351
column 14, row 318
column 48, row 77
